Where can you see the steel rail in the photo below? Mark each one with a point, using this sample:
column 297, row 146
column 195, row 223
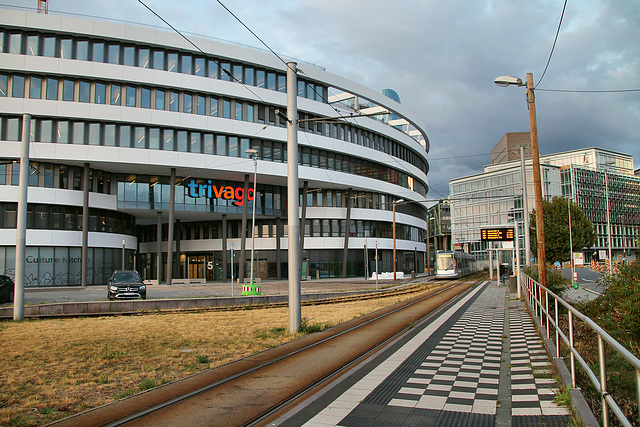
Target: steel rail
column 246, row 371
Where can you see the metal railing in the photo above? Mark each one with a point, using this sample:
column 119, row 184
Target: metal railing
column 537, row 298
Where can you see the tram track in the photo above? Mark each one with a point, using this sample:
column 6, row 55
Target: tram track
column 255, row 389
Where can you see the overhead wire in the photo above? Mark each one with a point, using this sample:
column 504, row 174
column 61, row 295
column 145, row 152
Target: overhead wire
column 315, row 89
column 554, row 44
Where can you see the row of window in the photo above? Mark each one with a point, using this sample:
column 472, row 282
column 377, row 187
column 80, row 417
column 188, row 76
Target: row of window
column 49, row 175
column 55, row 217
column 106, row 134
column 153, row 192
column 51, row 88
column 204, row 230
column 157, row 58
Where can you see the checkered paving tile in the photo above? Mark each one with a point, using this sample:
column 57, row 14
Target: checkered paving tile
column 449, row 373
column 462, row 372
column 533, row 386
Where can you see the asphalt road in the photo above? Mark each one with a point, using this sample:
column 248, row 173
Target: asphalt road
column 588, row 286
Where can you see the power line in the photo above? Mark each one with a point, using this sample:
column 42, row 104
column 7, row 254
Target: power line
column 254, row 34
column 227, row 72
column 554, row 43
column 589, row 91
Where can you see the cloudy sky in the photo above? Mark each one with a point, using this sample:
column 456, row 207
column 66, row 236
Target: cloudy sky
column 442, row 57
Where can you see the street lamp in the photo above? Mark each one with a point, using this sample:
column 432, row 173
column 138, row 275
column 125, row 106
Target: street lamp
column 606, row 186
column 251, row 152
column 507, row 81
column 394, row 203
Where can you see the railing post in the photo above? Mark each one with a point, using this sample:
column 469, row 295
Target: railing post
column 546, row 309
column 638, row 392
column 603, row 380
column 573, row 357
column 557, row 331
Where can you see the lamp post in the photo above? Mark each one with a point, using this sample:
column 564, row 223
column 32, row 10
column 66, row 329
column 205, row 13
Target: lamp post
column 507, row 81
column 606, row 186
column 254, row 153
column 394, row 203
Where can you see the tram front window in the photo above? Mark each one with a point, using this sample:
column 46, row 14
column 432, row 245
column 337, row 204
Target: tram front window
column 445, row 262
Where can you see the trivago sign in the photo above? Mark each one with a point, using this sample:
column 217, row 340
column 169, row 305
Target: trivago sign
column 211, row 191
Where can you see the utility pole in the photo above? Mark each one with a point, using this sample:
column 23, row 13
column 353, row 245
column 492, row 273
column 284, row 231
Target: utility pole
column 293, row 193
column 537, row 185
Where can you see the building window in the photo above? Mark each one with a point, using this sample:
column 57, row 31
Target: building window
column 35, row 88
column 199, row 69
column 187, row 106
column 101, row 93
column 174, row 101
column 33, row 44
column 84, row 92
column 116, row 92
column 159, row 99
column 172, row 62
column 200, row 105
column 17, row 90
column 158, row 60
column 145, row 97
column 4, row 82
column 66, row 48
column 49, row 48
column 186, row 64
column 129, row 56
column 130, row 96
column 68, row 88
column 114, row 54
column 143, row 57
column 98, row 52
column 52, row 89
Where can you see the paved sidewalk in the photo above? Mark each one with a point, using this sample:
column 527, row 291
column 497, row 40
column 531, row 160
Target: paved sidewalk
column 480, row 363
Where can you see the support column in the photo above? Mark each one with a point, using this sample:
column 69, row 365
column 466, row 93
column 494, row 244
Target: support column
column 178, row 238
column 278, row 248
column 347, row 226
column 243, row 231
column 21, row 237
column 303, row 220
column 224, row 249
column 159, row 247
column 172, row 206
column 85, row 225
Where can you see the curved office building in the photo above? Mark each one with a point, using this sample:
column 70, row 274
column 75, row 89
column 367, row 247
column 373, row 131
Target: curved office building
column 146, row 135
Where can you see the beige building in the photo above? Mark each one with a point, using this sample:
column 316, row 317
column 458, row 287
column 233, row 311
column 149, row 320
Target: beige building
column 508, row 148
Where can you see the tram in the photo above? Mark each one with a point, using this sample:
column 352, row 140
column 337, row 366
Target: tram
column 452, row 264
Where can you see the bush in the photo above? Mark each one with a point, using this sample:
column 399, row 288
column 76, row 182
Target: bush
column 556, row 282
column 616, row 311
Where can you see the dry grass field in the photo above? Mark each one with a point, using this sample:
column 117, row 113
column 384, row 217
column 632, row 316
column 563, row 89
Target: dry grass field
column 50, row 369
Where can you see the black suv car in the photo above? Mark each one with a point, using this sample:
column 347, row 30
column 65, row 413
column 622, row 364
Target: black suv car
column 6, row 289
column 126, row 284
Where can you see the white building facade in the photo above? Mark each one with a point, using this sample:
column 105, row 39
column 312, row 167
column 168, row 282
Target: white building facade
column 127, row 114
column 496, row 196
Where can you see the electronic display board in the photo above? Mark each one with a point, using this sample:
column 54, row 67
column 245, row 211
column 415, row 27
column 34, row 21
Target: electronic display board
column 497, row 234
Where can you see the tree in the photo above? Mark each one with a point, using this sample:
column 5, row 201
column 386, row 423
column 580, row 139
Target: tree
column 556, row 230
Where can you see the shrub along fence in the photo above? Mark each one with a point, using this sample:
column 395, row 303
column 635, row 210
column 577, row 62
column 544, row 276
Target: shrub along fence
column 597, row 361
